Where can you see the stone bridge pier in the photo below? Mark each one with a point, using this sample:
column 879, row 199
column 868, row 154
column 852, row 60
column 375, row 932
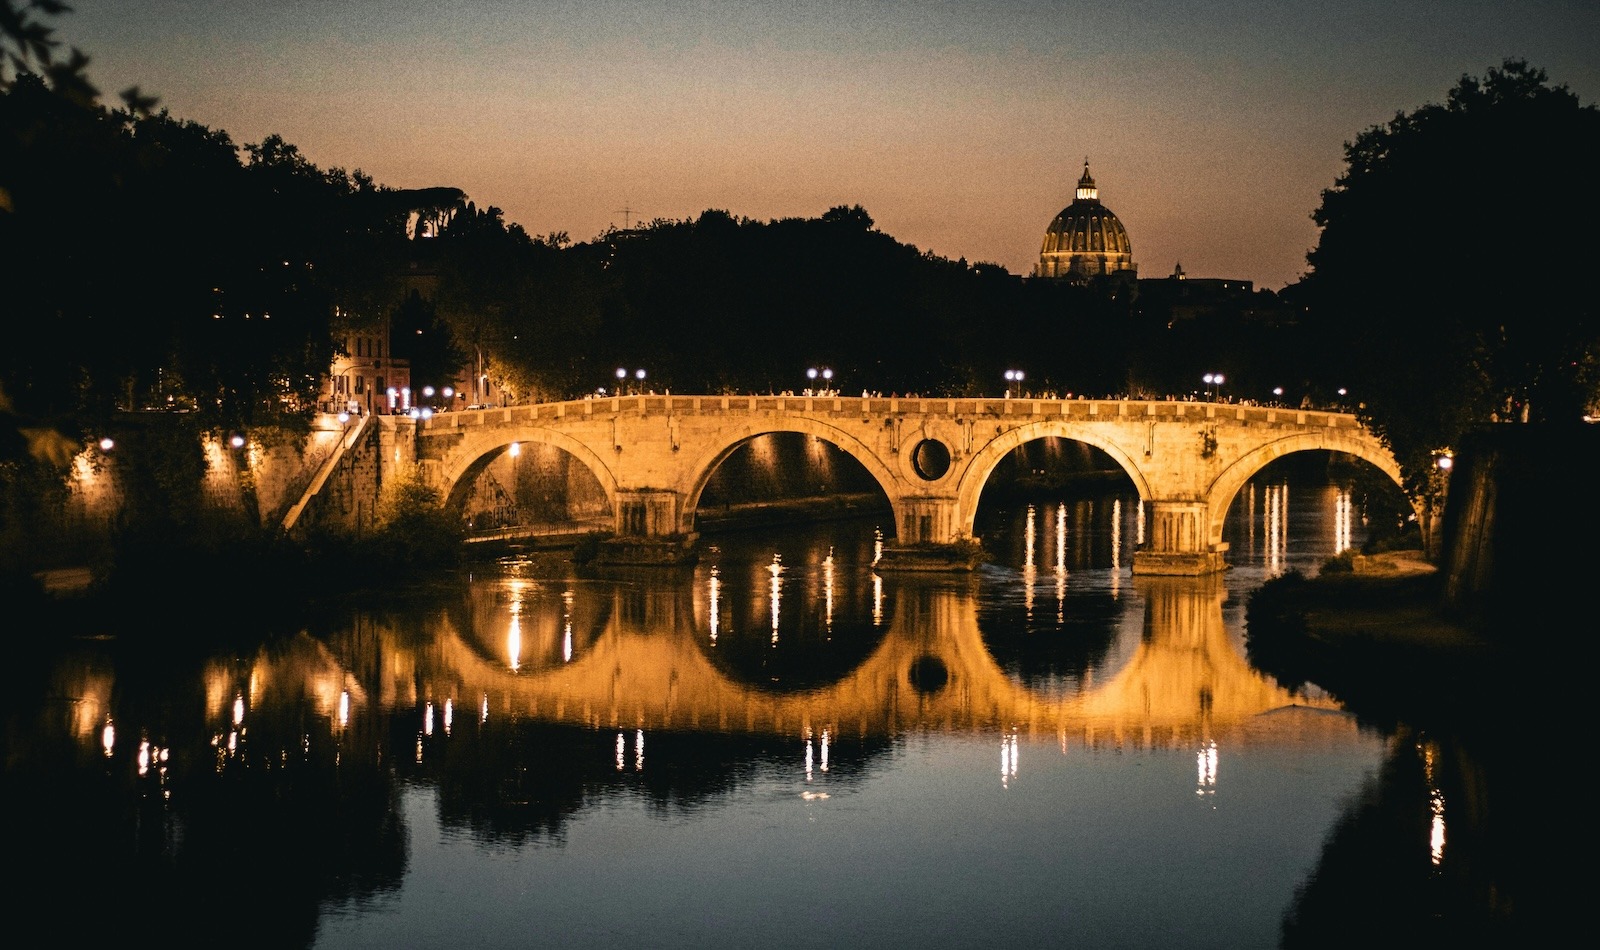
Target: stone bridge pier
column 1177, row 540
column 650, row 525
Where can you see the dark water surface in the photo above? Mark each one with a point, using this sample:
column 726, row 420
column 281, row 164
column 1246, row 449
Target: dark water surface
column 777, row 747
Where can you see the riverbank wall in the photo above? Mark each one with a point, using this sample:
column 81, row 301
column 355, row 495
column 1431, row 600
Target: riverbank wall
column 1520, row 514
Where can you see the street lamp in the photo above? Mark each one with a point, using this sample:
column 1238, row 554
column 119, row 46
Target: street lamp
column 1213, row 380
column 826, row 374
column 622, row 379
column 1013, row 376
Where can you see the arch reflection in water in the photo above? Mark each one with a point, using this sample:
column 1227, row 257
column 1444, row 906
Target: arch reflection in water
column 912, row 706
column 816, row 607
column 1173, row 679
column 530, row 624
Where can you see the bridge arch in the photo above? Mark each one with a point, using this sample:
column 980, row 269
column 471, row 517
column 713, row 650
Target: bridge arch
column 704, row 467
column 1233, row 478
column 482, row 446
column 983, row 462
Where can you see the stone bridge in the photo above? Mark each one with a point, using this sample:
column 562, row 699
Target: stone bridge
column 653, row 455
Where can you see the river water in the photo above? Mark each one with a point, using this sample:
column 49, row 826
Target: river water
column 776, row 747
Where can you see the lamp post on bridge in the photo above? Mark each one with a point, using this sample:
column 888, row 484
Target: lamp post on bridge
column 1013, row 376
column 826, row 375
column 622, row 380
column 1213, row 383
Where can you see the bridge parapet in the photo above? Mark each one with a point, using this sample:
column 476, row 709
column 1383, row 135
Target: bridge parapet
column 965, row 406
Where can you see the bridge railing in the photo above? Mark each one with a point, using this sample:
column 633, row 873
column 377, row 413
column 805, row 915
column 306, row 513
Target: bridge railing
column 872, row 405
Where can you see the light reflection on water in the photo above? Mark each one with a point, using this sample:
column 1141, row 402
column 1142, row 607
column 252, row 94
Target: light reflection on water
column 822, row 738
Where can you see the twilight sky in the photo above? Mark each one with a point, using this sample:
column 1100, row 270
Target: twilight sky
column 1211, row 126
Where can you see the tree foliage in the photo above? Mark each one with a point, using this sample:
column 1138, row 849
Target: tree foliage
column 159, row 269
column 720, row 303
column 1450, row 279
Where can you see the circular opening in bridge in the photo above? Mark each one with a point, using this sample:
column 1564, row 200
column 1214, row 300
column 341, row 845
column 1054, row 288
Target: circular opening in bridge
column 928, row 674
column 931, row 459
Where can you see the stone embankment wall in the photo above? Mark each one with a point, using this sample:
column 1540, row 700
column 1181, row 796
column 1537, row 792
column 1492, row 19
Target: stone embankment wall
column 1521, row 515
column 350, row 498
column 255, row 483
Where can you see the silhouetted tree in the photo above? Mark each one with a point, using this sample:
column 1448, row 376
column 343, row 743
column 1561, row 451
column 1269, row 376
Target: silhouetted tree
column 1451, row 279
column 721, row 303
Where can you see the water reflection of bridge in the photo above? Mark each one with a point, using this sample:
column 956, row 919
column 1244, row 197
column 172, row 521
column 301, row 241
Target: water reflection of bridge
column 624, row 658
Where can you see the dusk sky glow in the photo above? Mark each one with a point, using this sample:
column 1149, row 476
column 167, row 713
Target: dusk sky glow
column 1211, row 126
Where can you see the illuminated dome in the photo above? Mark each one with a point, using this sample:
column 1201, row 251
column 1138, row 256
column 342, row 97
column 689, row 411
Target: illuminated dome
column 1086, row 240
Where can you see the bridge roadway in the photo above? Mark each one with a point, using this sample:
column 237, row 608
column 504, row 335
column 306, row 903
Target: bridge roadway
column 654, row 454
